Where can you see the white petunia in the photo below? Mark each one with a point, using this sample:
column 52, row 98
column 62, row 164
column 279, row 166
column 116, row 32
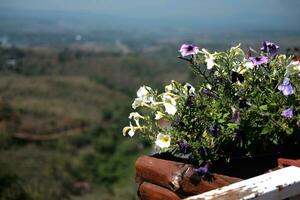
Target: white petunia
column 169, row 104
column 249, row 65
column 163, row 141
column 130, row 130
column 136, row 116
column 170, row 109
column 159, row 115
column 137, row 103
column 292, row 68
column 209, row 59
column 143, row 92
column 191, row 90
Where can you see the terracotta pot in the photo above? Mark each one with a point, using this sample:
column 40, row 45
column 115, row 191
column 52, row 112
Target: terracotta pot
column 168, row 179
column 160, row 177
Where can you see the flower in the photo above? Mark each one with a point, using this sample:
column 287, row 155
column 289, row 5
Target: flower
column 169, row 104
column 209, row 93
column 188, row 49
column 136, row 116
column 209, row 59
column 203, row 151
column 286, row 87
column 288, row 113
column 159, row 115
column 144, row 93
column 171, row 87
column 137, row 103
column 237, row 77
column 183, row 146
column 202, row 170
column 163, row 141
column 145, row 97
column 269, row 47
column 243, row 103
column 190, row 101
column 190, row 89
column 249, row 65
column 213, row 130
column 130, row 129
column 235, row 115
column 259, row 60
column 292, row 68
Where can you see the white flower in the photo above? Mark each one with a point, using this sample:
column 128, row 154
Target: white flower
column 249, row 65
column 130, row 129
column 144, row 93
column 163, row 141
column 145, row 97
column 159, row 115
column 137, row 103
column 171, row 87
column 190, row 89
column 136, row 116
column 169, row 104
column 209, row 59
column 292, row 68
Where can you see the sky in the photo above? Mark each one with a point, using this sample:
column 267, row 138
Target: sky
column 268, row 14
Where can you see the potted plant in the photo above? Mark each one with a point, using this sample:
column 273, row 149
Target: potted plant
column 244, row 109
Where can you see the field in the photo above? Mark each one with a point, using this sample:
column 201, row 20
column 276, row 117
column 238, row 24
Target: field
column 62, row 112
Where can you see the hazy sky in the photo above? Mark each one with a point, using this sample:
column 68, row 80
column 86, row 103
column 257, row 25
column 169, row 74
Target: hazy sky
column 282, row 14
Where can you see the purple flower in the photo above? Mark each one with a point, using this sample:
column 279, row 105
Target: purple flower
column 288, row 113
column 269, row 47
column 209, row 93
column 183, row 146
column 286, row 87
column 188, row 49
column 177, row 120
column 238, row 134
column 190, row 101
column 237, row 77
column 259, row 60
column 235, row 115
column 203, row 152
column 243, row 103
column 202, row 170
column 213, row 130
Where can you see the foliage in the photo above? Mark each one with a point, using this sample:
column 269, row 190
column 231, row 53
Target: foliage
column 245, row 104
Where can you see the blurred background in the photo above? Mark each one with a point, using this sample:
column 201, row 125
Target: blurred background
column 69, row 71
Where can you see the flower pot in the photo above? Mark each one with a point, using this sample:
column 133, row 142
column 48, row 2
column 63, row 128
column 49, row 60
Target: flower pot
column 160, row 179
column 175, row 180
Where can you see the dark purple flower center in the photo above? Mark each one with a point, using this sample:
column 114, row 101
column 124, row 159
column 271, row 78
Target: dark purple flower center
column 190, row 48
column 257, row 58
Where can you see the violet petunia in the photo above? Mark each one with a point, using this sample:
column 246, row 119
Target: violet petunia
column 236, row 115
column 288, row 113
column 259, row 60
column 183, row 146
column 209, row 93
column 286, row 87
column 202, row 170
column 188, row 49
column 203, row 152
column 269, row 47
column 213, row 130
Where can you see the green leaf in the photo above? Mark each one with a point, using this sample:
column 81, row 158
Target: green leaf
column 265, row 131
column 263, row 107
column 232, row 125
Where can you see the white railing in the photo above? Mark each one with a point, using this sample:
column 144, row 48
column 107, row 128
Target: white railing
column 280, row 184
